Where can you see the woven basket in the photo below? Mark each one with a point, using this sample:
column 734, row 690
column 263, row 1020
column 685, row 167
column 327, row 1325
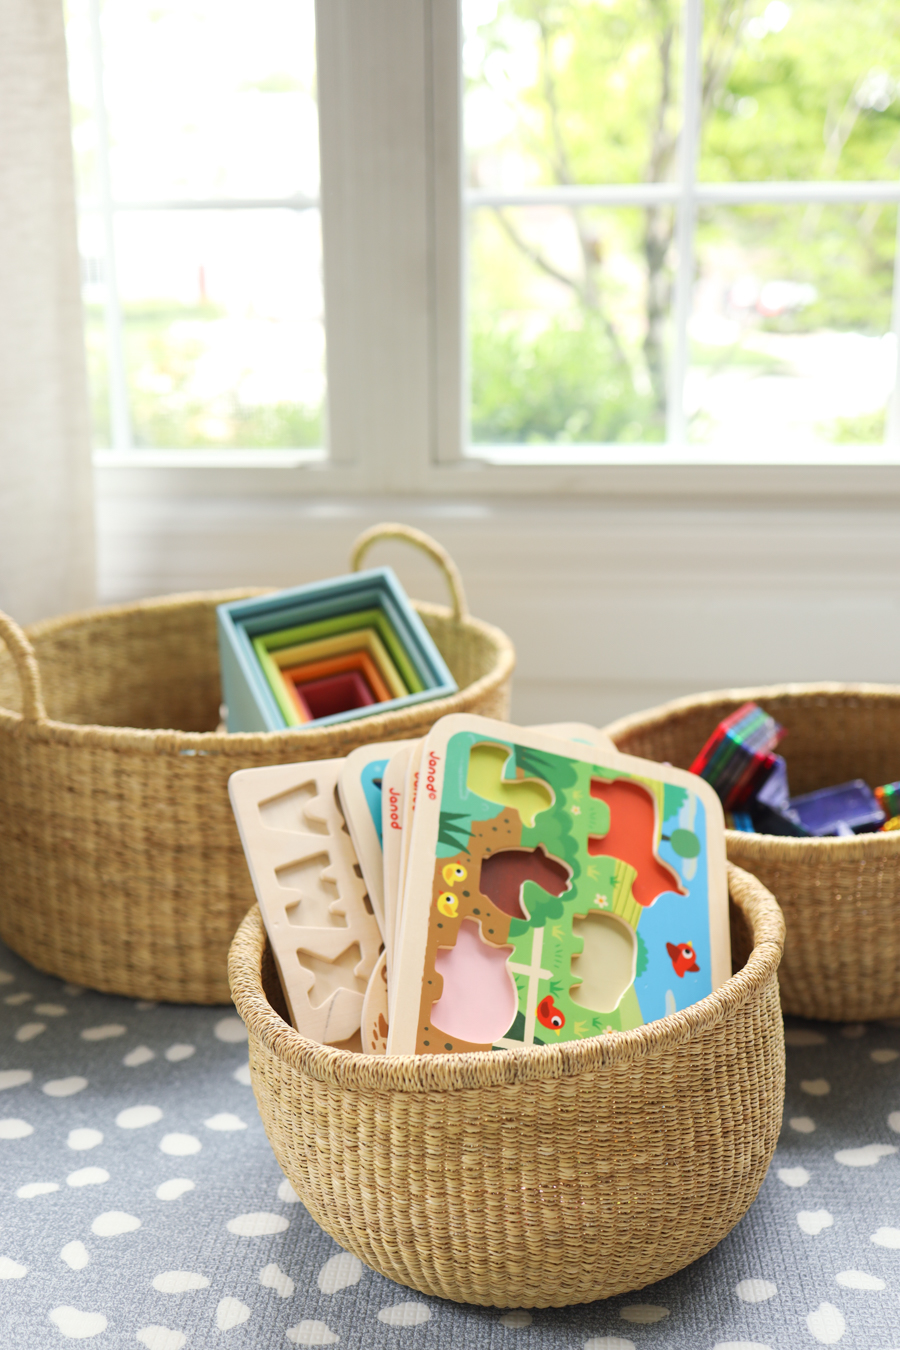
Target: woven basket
column 840, row 897
column 120, row 863
column 540, row 1177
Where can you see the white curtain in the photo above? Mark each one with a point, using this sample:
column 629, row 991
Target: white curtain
column 46, row 489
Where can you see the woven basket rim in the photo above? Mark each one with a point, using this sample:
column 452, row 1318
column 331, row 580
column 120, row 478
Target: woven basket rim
column 773, row 846
column 387, row 726
column 456, row 1072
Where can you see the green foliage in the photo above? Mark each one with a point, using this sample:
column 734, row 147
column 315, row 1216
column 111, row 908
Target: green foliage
column 454, row 830
column 562, row 384
column 674, row 799
column 685, row 843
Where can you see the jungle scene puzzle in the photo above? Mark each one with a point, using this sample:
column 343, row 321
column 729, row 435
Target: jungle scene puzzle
column 553, row 891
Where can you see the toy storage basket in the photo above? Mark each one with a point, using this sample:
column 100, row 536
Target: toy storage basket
column 120, row 862
column 536, row 1177
column 840, row 897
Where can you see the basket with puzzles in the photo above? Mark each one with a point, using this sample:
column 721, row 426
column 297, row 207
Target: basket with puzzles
column 495, row 994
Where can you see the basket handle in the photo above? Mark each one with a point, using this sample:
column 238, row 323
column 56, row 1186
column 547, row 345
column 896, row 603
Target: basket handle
column 419, row 539
column 22, row 653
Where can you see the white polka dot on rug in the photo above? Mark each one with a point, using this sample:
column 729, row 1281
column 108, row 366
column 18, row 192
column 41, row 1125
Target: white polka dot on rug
column 516, row 1320
column 29, row 1030
column 287, row 1193
column 644, row 1314
column 886, row 1237
column 176, row 1053
column 867, row 1156
column 172, row 1190
column 65, row 1087
column 894, row 1121
column 77, row 1325
column 755, row 1291
column 180, row 1145
column 339, row 1272
column 225, row 1122
column 146, row 1004
column 179, row 1281
column 404, row 1315
column 231, row 1312
column 273, row 1277
column 853, row 1030
column 858, row 1279
column 73, row 990
column 161, row 1338
column 242, row 1074
column 75, row 1254
column 814, row 1221
column 826, row 1324
column 257, row 1224
column 801, row 1036
column 6, row 977
column 87, row 1176
column 141, row 1054
column 802, row 1124
column 11, row 1127
column 136, row 1117
column 312, row 1333
column 11, row 1270
column 884, row 1056
column 12, row 1078
column 84, row 1138
column 16, row 1000
column 33, row 1188
column 50, row 1009
column 106, row 1032
column 815, row 1087
column 114, row 1222
column 231, row 1030
column 793, row 1176
column 608, row 1343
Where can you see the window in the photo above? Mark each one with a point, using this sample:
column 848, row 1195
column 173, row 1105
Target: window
column 561, row 237
column 196, row 145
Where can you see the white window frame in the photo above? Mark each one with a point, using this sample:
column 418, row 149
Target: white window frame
column 394, row 226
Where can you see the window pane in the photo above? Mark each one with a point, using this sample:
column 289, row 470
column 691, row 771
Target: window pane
column 570, row 92
column 568, row 317
column 212, row 98
column 223, row 327
column 806, row 89
column 790, row 332
column 222, row 337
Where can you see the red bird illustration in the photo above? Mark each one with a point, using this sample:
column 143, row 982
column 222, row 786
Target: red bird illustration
column 549, row 1015
column 631, row 838
column 683, row 958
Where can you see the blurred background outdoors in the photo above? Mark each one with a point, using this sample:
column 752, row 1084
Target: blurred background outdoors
column 568, row 307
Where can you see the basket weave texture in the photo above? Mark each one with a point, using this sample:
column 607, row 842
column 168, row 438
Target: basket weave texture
column 120, row 862
column 840, row 897
column 536, row 1177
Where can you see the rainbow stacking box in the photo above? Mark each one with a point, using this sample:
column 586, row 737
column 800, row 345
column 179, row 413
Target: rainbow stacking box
column 325, row 653
column 737, row 759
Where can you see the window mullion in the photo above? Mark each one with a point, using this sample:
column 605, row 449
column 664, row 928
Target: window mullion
column 119, row 413
column 676, row 427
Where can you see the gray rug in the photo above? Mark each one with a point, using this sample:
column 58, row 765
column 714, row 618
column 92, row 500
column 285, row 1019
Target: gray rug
column 142, row 1206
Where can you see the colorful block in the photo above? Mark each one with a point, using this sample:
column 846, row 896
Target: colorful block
column 737, row 759
column 290, row 618
column 852, row 805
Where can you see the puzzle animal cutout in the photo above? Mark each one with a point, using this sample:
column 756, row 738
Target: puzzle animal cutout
column 547, row 886
column 324, row 935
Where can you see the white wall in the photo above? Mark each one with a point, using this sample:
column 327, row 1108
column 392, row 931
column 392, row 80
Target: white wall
column 612, row 607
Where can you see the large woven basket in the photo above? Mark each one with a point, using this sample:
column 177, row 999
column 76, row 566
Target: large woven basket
column 840, row 897
column 120, row 863
column 539, row 1177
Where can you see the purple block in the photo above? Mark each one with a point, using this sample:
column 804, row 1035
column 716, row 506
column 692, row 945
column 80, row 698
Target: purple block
column 775, row 791
column 852, row 805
